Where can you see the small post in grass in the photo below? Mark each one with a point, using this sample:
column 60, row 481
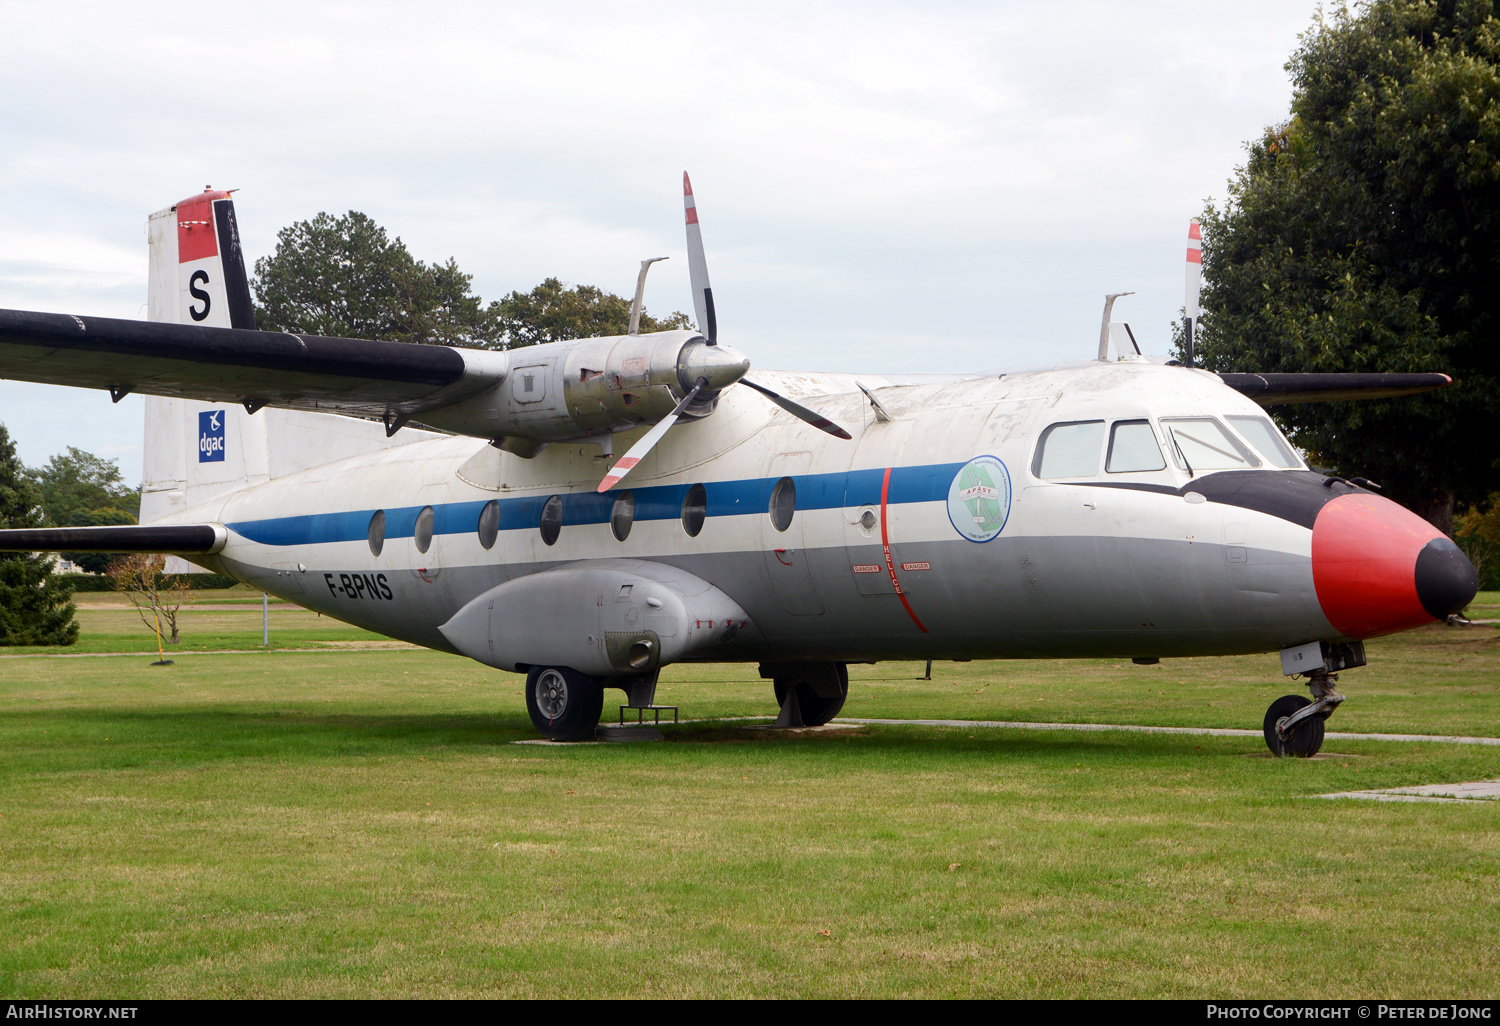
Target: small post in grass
column 161, row 657
column 929, row 670
column 265, row 620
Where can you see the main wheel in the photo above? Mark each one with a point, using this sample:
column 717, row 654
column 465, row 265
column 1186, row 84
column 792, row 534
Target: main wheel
column 816, row 710
column 564, row 704
column 1305, row 738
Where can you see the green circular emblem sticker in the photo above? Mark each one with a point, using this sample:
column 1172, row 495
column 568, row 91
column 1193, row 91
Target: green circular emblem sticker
column 979, row 499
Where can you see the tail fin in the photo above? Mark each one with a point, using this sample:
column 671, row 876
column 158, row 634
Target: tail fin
column 197, row 451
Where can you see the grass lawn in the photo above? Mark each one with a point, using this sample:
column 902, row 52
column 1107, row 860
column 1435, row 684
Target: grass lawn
column 354, row 822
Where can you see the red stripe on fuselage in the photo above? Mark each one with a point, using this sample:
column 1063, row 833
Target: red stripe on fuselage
column 885, row 543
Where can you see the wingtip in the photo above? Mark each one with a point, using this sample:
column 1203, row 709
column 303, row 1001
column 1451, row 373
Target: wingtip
column 687, row 185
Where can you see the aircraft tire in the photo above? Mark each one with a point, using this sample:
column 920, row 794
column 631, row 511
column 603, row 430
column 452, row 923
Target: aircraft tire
column 564, row 704
column 1306, row 737
column 816, row 710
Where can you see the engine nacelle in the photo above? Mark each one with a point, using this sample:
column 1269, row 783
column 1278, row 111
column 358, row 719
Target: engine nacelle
column 606, row 618
column 588, row 388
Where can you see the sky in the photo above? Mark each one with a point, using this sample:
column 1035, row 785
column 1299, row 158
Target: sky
column 881, row 188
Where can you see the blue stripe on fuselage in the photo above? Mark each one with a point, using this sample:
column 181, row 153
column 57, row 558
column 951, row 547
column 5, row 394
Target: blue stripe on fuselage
column 661, row 502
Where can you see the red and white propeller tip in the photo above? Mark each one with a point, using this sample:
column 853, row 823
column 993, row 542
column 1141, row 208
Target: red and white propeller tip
column 703, row 294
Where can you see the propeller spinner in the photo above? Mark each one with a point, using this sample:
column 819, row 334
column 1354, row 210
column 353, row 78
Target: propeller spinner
column 711, row 367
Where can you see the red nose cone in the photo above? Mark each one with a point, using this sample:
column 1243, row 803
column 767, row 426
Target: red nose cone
column 1379, row 568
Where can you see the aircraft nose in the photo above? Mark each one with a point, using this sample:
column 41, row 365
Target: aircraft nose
column 1379, row 568
column 1446, row 580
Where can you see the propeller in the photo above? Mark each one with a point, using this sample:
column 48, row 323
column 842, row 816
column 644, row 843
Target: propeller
column 648, row 441
column 1194, row 287
column 718, row 367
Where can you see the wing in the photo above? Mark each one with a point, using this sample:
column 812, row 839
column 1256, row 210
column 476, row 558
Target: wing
column 193, row 539
column 394, row 381
column 1276, row 389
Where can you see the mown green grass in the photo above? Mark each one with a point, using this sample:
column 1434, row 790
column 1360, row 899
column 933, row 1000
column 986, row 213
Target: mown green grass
column 357, row 823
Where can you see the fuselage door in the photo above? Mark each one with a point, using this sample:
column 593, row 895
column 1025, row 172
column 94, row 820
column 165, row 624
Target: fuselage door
column 783, row 534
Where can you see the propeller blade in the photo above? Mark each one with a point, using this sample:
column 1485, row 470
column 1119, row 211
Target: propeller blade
column 800, row 412
column 1194, row 287
column 703, row 295
column 647, row 441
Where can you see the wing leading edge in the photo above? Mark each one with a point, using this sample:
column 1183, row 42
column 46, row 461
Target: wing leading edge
column 1277, row 389
column 394, row 381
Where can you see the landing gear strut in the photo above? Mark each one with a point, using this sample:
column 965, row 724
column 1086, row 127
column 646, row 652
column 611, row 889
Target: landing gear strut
column 810, row 694
column 1294, row 725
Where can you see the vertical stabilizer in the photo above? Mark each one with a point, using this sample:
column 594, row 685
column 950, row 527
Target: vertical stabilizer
column 197, row 451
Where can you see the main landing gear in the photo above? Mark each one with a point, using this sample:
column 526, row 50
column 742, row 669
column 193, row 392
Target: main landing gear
column 810, row 694
column 1294, row 725
column 565, row 704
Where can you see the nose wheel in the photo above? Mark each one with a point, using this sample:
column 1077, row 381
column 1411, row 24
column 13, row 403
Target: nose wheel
column 1294, row 725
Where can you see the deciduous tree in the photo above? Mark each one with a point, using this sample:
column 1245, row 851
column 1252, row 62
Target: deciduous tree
column 1364, row 235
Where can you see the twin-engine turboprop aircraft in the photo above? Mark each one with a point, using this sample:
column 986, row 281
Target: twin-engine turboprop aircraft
column 1127, row 507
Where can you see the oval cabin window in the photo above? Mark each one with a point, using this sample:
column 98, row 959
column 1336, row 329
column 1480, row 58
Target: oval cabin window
column 422, row 532
column 783, row 503
column 489, row 524
column 377, row 532
column 622, row 516
column 551, row 525
column 694, row 510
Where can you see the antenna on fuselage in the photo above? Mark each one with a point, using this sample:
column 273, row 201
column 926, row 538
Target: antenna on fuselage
column 1109, row 305
column 640, row 292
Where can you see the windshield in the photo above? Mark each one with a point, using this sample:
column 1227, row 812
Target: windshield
column 1202, row 443
column 1261, row 433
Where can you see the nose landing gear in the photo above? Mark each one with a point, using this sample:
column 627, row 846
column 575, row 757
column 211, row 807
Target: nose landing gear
column 1294, row 725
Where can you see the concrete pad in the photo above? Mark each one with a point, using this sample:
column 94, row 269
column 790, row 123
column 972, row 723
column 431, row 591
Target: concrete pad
column 618, row 734
column 1206, row 731
column 824, row 729
column 1473, row 791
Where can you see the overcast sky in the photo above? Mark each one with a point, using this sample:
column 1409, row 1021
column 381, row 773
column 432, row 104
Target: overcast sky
column 881, row 187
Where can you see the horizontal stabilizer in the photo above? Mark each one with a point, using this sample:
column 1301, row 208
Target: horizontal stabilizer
column 355, row 377
column 195, row 539
column 1276, row 389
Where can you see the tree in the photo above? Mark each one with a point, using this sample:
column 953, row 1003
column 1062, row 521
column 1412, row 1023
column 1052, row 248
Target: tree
column 156, row 597
column 79, row 482
column 1364, row 235
column 346, row 276
column 551, row 313
column 36, row 606
column 96, row 562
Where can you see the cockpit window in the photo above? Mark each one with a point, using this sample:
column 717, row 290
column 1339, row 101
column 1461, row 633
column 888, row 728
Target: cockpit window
column 1133, row 448
column 1069, row 450
column 1261, row 433
column 1201, row 443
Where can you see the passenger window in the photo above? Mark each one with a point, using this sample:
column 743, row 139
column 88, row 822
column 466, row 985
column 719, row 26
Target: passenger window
column 1261, row 433
column 694, row 510
column 377, row 532
column 551, row 523
column 422, row 532
column 1133, row 448
column 489, row 524
column 1069, row 450
column 1201, row 443
column 622, row 516
column 783, row 503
